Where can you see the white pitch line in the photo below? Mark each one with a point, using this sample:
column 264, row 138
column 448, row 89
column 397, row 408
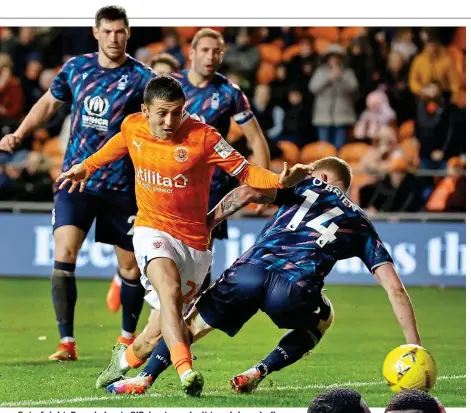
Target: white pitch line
column 53, row 402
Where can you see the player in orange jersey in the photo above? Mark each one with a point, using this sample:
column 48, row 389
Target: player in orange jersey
column 174, row 157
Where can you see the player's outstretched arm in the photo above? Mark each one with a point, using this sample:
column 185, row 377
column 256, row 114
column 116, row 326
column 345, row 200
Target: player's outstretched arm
column 39, row 114
column 236, row 200
column 400, row 301
column 114, row 149
column 262, row 179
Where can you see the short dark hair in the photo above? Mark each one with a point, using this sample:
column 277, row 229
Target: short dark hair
column 166, row 58
column 111, row 13
column 164, row 88
column 338, row 166
column 336, row 401
column 413, row 400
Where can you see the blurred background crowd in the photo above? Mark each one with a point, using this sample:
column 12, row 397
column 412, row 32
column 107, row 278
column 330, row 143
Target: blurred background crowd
column 390, row 101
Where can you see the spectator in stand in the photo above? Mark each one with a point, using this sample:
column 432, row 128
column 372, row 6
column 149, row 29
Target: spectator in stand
column 403, row 43
column 243, row 57
column 378, row 113
column 53, row 126
column 279, row 85
column 302, row 66
column 433, row 71
column 8, row 41
column 398, row 191
column 334, row 87
column 25, row 46
column 394, row 81
column 30, row 180
column 360, row 59
column 164, row 64
column 297, row 127
column 269, row 116
column 11, row 105
column 432, row 129
column 30, row 81
column 450, row 193
column 172, row 46
column 376, row 162
column 11, row 94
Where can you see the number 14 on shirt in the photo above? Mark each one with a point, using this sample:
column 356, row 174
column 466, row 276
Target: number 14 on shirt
column 327, row 233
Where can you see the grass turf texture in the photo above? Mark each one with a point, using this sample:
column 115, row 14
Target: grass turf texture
column 351, row 353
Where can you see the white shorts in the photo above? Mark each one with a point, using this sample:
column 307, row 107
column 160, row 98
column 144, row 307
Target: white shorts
column 193, row 265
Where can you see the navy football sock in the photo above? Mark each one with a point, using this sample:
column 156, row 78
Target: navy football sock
column 132, row 300
column 291, row 348
column 64, row 296
column 158, row 361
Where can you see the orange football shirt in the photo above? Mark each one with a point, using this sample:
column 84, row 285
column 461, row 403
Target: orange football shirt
column 173, row 175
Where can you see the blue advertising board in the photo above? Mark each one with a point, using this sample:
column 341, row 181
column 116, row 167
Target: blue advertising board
column 424, row 253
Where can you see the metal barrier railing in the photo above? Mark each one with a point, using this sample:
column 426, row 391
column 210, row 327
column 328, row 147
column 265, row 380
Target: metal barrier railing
column 46, row 207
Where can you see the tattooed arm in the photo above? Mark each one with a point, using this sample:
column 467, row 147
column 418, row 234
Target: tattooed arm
column 236, row 200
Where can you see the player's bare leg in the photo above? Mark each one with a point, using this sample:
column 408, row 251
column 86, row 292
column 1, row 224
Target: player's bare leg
column 131, row 294
column 165, row 278
column 160, row 359
column 67, row 241
column 126, row 357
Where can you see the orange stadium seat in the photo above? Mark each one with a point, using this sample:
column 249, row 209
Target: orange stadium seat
column 317, row 150
column 459, row 39
column 328, row 33
column 266, row 73
column 458, row 58
column 270, row 53
column 291, row 51
column 186, row 33
column 353, row 152
column 155, row 48
column 290, row 152
column 321, row 45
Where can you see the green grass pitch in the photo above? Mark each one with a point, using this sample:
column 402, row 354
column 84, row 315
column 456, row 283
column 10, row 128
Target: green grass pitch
column 350, row 354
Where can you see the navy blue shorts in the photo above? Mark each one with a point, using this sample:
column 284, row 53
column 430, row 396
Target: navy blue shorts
column 221, row 184
column 114, row 213
column 242, row 290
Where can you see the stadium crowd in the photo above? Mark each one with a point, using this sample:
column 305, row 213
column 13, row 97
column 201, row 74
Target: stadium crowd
column 390, row 101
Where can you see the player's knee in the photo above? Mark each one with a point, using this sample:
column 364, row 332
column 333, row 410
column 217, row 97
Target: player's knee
column 127, row 264
column 129, row 272
column 67, row 243
column 66, row 252
column 197, row 325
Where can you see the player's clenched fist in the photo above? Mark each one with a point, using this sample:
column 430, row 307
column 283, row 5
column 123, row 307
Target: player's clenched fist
column 76, row 175
column 9, row 142
column 292, row 176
